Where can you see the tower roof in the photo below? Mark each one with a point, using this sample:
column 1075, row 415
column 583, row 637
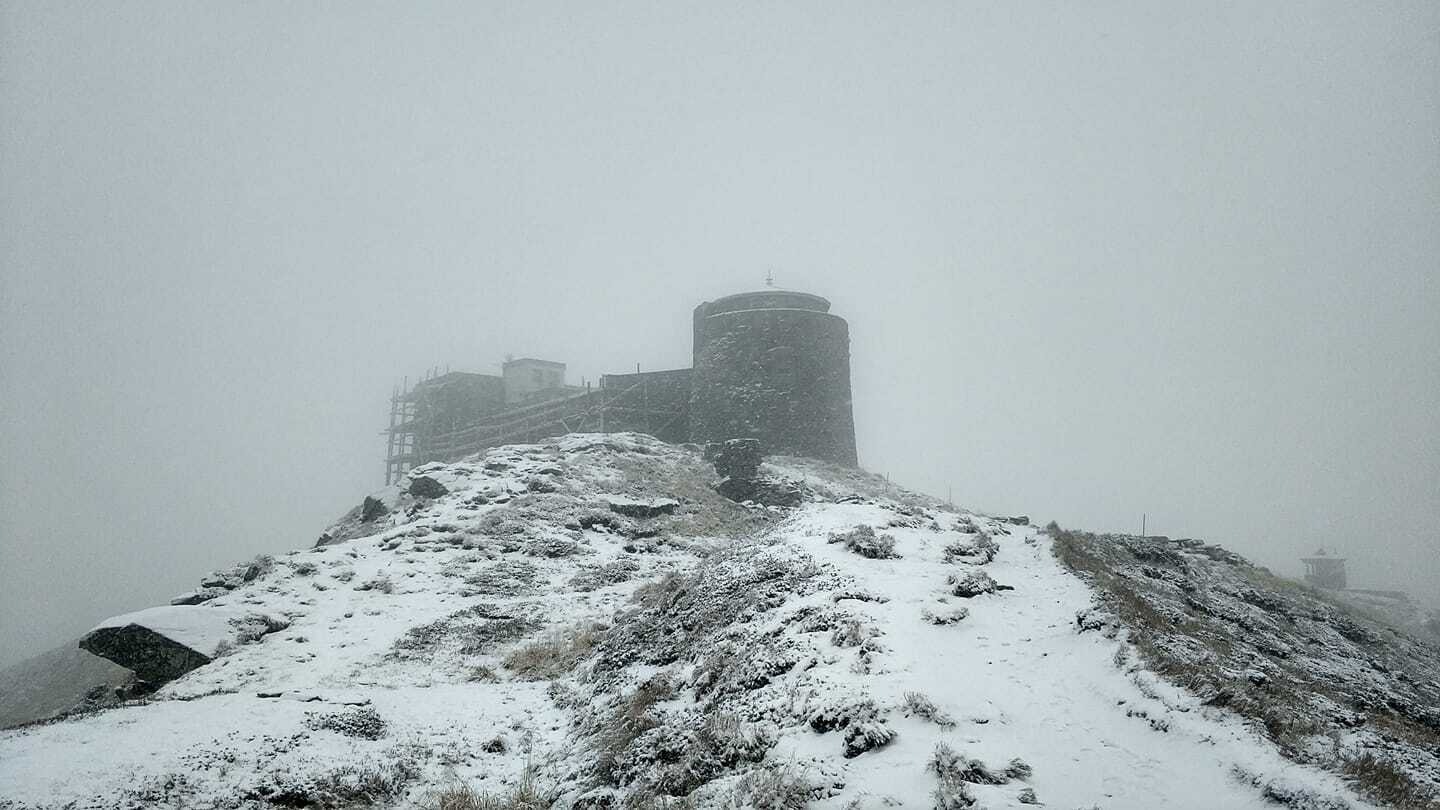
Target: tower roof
column 767, row 299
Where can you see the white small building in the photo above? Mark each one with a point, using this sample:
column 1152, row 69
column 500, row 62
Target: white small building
column 528, row 379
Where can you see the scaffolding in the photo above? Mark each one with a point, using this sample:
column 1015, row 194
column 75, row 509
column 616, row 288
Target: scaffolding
column 400, row 448
column 416, row 416
column 403, row 435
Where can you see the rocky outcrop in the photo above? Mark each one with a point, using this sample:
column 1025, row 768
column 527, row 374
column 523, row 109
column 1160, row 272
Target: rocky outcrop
column 231, row 578
column 368, row 517
column 372, row 508
column 423, row 486
column 736, row 458
column 218, row 583
column 154, row 657
column 738, row 463
column 160, row 644
column 637, row 508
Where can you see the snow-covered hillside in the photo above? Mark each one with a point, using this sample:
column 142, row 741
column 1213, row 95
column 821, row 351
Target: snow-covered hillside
column 590, row 618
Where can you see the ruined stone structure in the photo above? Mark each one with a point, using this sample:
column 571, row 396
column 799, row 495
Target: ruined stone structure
column 775, row 366
column 772, row 365
column 1324, row 571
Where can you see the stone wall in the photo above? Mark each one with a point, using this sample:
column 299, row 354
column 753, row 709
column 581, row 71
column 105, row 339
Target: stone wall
column 653, row 402
column 774, row 366
column 454, row 401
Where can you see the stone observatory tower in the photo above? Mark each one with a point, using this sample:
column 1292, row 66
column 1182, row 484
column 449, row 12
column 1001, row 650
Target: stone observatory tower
column 774, row 365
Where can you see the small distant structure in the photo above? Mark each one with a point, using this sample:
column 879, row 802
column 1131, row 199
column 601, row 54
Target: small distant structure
column 437, row 407
column 1324, row 571
column 771, row 365
column 530, row 380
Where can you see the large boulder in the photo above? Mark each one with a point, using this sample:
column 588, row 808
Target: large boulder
column 162, row 643
column 738, row 463
column 735, row 458
column 365, row 519
column 372, row 508
column 423, row 486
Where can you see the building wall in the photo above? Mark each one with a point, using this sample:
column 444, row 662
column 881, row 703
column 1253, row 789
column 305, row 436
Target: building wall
column 527, row 379
column 1325, row 572
column 453, row 401
column 771, row 365
column 774, row 366
column 653, row 402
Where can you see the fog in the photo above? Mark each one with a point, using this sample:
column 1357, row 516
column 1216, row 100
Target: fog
column 1179, row 260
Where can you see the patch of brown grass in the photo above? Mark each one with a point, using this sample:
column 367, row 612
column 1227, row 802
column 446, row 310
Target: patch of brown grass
column 630, row 719
column 555, row 656
column 527, row 795
column 1388, row 724
column 1378, row 779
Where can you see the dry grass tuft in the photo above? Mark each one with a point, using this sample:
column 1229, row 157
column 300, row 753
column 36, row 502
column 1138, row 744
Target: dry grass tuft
column 525, row 796
column 1381, row 781
column 919, row 705
column 556, row 656
column 631, row 719
column 862, row 540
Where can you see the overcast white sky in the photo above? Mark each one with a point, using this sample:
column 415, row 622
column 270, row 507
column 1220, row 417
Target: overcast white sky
column 1099, row 259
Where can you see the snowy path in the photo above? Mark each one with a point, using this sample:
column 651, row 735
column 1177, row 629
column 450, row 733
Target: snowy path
column 1021, row 682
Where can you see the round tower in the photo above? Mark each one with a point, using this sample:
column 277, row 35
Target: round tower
column 774, row 365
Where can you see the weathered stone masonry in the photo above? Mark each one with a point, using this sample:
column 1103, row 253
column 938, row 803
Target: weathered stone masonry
column 772, row 365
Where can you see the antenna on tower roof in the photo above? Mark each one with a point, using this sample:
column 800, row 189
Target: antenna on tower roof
column 770, row 278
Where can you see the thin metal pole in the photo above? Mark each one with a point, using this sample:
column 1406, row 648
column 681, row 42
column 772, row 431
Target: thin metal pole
column 390, row 439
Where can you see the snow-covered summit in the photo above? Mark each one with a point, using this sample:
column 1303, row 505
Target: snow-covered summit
column 589, row 620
